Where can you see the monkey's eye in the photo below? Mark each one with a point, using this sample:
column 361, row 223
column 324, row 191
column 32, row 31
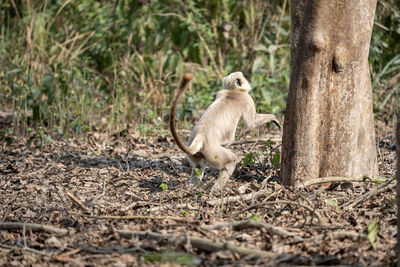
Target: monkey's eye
column 238, row 82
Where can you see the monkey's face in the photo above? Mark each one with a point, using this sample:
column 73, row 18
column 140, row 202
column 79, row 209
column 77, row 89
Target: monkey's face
column 235, row 80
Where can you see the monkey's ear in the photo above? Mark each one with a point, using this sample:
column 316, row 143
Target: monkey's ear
column 238, row 83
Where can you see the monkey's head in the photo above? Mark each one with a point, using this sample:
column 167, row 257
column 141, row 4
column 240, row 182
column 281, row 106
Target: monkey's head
column 235, row 80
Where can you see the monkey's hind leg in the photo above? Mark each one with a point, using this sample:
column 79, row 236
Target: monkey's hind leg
column 198, row 170
column 227, row 163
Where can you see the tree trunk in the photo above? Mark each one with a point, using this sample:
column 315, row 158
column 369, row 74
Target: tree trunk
column 398, row 190
column 329, row 125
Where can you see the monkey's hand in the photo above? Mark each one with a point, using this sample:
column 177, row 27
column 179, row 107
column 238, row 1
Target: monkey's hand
column 276, row 122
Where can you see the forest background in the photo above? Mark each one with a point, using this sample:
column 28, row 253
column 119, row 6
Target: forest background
column 70, row 67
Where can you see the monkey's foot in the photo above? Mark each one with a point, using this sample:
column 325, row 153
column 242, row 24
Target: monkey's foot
column 195, row 181
column 197, row 176
column 218, row 188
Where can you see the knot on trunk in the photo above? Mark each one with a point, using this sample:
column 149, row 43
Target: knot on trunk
column 318, row 41
column 339, row 58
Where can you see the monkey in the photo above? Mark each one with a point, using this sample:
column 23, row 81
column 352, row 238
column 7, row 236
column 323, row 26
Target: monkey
column 217, row 126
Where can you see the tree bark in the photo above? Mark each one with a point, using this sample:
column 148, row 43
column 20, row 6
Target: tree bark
column 397, row 133
column 329, row 125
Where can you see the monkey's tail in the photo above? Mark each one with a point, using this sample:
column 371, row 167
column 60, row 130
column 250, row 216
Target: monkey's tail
column 182, row 87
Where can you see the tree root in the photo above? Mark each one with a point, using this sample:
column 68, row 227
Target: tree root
column 333, row 179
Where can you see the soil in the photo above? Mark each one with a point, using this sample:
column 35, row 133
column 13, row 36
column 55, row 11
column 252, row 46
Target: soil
column 97, row 189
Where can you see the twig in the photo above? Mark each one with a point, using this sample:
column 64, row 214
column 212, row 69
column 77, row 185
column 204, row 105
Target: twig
column 199, row 243
column 34, row 227
column 222, row 200
column 23, row 234
column 173, row 206
column 58, row 191
column 25, row 249
column 239, row 225
column 370, row 194
column 339, row 235
column 265, row 203
column 280, row 22
column 333, row 179
column 102, row 194
column 135, row 204
column 77, row 201
column 133, row 217
column 261, row 140
column 127, row 164
column 109, row 249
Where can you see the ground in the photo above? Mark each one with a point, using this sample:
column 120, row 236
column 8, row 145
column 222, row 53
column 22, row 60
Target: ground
column 122, row 200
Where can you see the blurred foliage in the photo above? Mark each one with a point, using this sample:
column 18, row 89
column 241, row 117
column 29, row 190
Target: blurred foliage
column 73, row 66
column 385, row 60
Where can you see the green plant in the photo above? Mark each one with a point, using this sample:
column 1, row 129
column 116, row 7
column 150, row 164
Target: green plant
column 373, row 232
column 38, row 136
column 250, row 159
column 276, row 160
column 6, row 137
column 254, row 218
column 163, row 187
column 333, row 203
column 172, row 257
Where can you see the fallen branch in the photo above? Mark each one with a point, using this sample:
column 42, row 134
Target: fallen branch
column 340, row 235
column 77, row 201
column 25, row 249
column 259, row 140
column 224, row 200
column 133, row 217
column 173, row 206
column 135, row 204
column 245, row 224
column 371, row 194
column 199, row 243
column 34, row 227
column 265, row 203
column 334, row 179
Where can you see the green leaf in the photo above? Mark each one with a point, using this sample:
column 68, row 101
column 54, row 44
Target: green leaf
column 9, row 140
column 276, row 160
column 172, row 257
column 249, row 159
column 269, row 143
column 254, row 218
column 258, row 64
column 198, row 172
column 373, row 232
column 261, row 48
column 333, row 202
column 163, row 187
column 14, row 71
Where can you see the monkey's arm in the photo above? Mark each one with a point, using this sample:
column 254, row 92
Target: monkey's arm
column 252, row 119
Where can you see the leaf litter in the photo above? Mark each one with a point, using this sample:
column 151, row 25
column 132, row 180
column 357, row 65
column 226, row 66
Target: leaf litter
column 125, row 201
